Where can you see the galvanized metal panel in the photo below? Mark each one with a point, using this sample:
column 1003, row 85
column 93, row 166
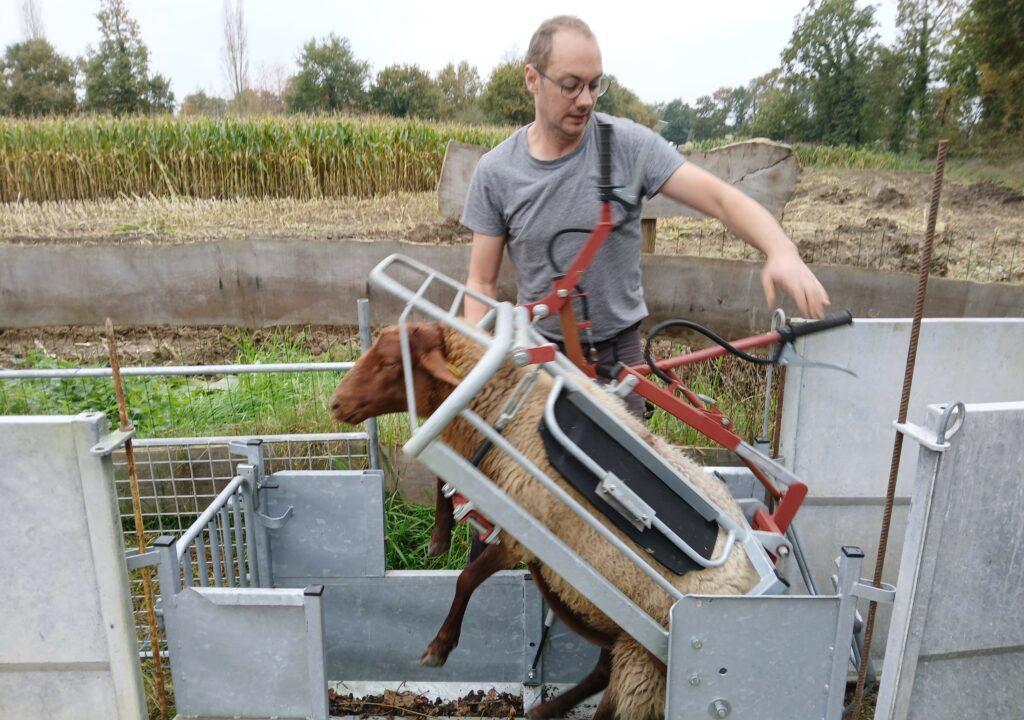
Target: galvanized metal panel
column 837, row 431
column 377, row 628
column 764, row 658
column 336, row 530
column 956, row 644
column 67, row 640
column 240, row 660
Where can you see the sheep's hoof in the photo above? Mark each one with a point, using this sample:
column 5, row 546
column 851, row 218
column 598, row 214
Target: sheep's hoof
column 432, row 659
column 439, row 547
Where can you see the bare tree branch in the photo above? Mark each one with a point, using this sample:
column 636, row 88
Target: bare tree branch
column 235, row 53
column 32, row 20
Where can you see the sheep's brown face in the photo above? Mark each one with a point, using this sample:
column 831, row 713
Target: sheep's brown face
column 376, row 385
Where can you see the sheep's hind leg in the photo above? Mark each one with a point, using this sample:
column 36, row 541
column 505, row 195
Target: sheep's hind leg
column 491, row 560
column 592, row 684
column 441, row 535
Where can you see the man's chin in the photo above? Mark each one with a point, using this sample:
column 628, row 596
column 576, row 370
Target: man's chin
column 575, row 126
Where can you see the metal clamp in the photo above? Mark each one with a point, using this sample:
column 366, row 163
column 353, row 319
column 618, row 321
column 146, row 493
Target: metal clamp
column 112, row 442
column 939, row 442
column 135, row 560
column 886, row 593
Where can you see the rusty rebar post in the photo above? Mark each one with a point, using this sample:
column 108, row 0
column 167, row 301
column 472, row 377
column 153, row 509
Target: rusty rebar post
column 924, row 267
column 140, row 534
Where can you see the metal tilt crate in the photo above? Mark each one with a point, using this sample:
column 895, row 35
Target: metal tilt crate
column 727, row 656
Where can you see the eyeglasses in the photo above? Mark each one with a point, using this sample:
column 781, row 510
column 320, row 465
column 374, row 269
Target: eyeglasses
column 572, row 87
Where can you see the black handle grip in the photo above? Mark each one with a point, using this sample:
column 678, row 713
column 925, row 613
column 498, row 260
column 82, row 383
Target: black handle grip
column 604, row 158
column 790, row 333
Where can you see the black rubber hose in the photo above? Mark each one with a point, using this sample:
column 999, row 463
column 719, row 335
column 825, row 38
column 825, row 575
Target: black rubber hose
column 711, row 335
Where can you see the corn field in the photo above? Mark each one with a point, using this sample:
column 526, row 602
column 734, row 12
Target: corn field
column 297, row 156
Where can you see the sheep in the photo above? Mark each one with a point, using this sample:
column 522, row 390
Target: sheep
column 441, row 357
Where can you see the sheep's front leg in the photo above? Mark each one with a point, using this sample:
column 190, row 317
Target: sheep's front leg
column 441, row 535
column 491, row 560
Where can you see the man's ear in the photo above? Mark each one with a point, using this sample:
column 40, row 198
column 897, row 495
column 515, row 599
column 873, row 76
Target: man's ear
column 436, row 364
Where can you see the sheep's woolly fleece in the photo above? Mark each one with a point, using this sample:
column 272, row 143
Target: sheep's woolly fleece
column 637, row 684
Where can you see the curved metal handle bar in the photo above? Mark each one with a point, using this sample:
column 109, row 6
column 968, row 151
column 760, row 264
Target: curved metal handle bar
column 203, row 520
column 495, row 355
column 380, row 278
column 597, row 470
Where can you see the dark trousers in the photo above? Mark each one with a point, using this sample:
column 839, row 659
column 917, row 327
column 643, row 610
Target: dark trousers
column 625, row 348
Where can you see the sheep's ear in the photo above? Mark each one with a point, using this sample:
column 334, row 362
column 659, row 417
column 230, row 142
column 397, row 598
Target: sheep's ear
column 436, row 364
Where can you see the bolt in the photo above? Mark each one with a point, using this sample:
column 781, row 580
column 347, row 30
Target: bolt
column 695, row 680
column 521, row 358
column 725, row 422
column 562, row 292
column 783, row 551
column 696, row 644
column 719, row 709
column 532, row 674
column 541, row 311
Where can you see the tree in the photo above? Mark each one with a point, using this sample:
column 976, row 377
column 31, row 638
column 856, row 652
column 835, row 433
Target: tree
column 829, row 48
column 32, row 20
column 36, row 80
column 782, row 107
column 330, row 77
column 710, row 118
column 619, row 100
column 988, row 60
column 505, row 98
column 235, row 53
column 405, row 91
column 459, row 86
column 925, row 28
column 678, row 118
column 117, row 78
column 199, row 103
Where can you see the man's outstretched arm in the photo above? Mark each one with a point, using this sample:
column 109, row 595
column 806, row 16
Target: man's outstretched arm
column 703, row 191
column 484, row 264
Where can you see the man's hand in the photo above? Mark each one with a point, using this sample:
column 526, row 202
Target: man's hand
column 703, row 191
column 784, row 267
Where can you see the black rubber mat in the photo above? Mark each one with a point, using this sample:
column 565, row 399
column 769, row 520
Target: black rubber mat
column 606, row 451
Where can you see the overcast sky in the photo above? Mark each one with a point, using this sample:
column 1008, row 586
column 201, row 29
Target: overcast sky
column 661, row 50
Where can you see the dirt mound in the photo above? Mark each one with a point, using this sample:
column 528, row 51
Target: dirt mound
column 445, row 232
column 836, row 195
column 400, row 704
column 987, row 192
column 881, row 223
column 888, row 196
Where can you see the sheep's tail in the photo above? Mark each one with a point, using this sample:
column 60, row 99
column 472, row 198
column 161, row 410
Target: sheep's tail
column 637, row 682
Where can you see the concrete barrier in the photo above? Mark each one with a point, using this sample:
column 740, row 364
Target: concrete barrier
column 261, row 283
column 67, row 638
column 763, row 169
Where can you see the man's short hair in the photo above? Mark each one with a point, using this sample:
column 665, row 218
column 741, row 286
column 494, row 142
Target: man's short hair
column 540, row 44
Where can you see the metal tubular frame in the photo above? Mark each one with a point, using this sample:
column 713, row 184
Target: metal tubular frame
column 513, row 336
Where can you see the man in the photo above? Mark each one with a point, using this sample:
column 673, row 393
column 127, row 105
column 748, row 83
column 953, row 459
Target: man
column 541, row 180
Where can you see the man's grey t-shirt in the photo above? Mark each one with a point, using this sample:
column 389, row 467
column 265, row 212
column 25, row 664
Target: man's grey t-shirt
column 528, row 201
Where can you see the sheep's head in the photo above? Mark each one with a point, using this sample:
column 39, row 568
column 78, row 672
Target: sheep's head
column 376, row 385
